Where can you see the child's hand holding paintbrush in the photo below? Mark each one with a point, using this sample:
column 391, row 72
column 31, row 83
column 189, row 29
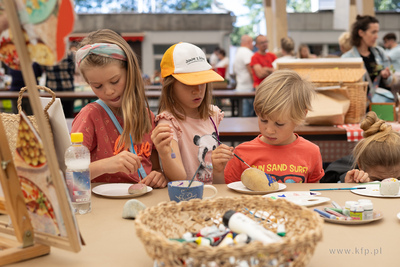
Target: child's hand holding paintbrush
column 162, row 137
column 168, row 151
column 220, row 157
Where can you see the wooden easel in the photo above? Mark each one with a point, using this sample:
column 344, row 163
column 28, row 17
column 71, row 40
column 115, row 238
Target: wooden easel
column 33, row 244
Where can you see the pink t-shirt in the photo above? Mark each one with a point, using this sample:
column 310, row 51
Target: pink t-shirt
column 298, row 162
column 195, row 141
column 100, row 136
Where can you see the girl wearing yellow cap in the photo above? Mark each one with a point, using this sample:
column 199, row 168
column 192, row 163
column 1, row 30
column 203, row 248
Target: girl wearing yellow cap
column 187, row 129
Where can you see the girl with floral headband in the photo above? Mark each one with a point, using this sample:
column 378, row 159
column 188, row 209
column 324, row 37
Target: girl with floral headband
column 187, row 133
column 116, row 127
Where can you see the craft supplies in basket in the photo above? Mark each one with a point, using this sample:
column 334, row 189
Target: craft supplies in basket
column 11, row 121
column 156, row 225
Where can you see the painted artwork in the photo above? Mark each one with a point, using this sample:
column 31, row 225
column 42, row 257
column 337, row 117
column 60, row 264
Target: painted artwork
column 35, row 179
column 46, row 25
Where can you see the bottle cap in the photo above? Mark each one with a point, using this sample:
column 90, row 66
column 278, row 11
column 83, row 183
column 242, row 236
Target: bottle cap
column 227, row 216
column 367, row 206
column 76, row 137
column 356, row 208
column 364, row 200
column 348, row 204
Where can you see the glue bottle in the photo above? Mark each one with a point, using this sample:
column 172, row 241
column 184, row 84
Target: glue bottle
column 77, row 160
column 240, row 223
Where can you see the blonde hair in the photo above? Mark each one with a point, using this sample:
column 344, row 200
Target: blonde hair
column 287, row 45
column 284, row 92
column 345, row 42
column 380, row 146
column 168, row 101
column 135, row 108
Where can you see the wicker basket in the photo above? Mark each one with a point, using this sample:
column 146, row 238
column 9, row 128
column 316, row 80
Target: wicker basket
column 357, row 93
column 11, row 121
column 346, row 78
column 156, row 224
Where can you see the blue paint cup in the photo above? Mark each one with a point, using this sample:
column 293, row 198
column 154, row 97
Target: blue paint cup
column 179, row 190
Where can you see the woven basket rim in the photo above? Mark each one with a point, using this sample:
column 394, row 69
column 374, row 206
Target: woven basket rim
column 152, row 237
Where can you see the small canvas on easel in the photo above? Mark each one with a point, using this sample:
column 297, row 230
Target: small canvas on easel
column 44, row 35
column 36, row 183
column 35, row 195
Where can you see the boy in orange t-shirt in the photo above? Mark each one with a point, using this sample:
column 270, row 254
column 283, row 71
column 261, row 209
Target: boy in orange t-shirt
column 281, row 103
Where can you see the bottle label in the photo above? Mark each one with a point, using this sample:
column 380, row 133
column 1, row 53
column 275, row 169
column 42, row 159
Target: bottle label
column 78, row 186
column 356, row 215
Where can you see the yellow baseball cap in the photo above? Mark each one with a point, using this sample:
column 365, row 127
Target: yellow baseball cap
column 188, row 64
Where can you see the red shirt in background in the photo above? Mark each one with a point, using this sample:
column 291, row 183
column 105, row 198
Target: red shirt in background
column 263, row 60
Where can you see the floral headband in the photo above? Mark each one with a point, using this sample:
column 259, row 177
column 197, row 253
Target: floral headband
column 101, row 49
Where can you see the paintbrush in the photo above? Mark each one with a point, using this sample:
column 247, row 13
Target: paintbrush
column 343, row 188
column 191, row 181
column 132, row 150
column 233, row 153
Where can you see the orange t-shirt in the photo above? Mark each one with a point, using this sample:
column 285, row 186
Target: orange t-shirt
column 298, row 162
column 100, row 136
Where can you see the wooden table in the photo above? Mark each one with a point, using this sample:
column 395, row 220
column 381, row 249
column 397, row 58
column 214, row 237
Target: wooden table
column 233, row 95
column 246, row 129
column 331, row 140
column 112, row 241
column 151, row 94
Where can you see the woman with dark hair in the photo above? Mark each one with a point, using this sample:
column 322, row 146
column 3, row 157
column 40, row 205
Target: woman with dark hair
column 364, row 34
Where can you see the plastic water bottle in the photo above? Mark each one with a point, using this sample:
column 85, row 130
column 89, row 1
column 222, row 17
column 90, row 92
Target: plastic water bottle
column 77, row 160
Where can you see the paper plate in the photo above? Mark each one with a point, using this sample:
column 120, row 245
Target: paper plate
column 377, row 216
column 302, row 198
column 240, row 187
column 371, row 190
column 117, row 190
column 398, row 215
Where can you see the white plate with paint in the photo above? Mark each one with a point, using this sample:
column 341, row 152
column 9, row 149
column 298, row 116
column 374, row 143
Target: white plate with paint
column 376, row 217
column 302, row 198
column 117, row 190
column 240, row 187
column 398, row 215
column 371, row 190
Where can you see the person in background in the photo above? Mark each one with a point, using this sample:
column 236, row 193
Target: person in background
column 287, row 47
column 344, row 42
column 223, row 64
column 156, row 79
column 146, row 79
column 393, row 52
column 111, row 69
column 364, row 33
column 214, row 57
column 17, row 82
column 261, row 61
column 60, row 77
column 281, row 103
column 242, row 71
column 304, row 52
column 374, row 158
column 187, row 121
